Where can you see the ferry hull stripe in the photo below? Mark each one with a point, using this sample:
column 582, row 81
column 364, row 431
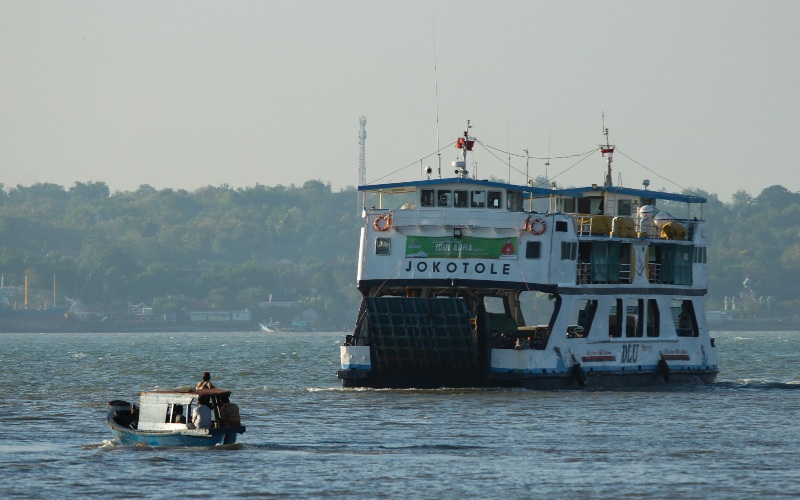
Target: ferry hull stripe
column 676, row 357
column 597, row 359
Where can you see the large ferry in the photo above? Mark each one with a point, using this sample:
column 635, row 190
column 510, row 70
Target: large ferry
column 469, row 283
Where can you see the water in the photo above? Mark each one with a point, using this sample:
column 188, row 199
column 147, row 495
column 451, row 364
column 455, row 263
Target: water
column 307, row 437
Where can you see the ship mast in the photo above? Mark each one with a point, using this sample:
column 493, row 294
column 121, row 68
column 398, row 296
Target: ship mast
column 608, row 152
column 465, row 144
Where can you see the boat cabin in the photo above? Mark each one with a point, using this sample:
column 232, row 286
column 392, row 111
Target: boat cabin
column 170, row 410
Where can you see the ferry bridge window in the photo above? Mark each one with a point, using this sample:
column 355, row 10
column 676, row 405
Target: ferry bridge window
column 624, row 208
column 514, row 201
column 494, row 199
column 460, row 199
column 426, row 198
column 443, row 198
column 478, row 199
column 383, row 246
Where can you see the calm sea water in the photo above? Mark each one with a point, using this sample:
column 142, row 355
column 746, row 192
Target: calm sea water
column 307, row 437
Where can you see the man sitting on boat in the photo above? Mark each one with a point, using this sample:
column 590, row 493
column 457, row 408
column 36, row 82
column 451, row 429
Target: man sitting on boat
column 228, row 413
column 202, row 414
column 177, row 415
column 205, row 383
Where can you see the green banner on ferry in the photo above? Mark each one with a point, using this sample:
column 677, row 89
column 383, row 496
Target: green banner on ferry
column 466, row 247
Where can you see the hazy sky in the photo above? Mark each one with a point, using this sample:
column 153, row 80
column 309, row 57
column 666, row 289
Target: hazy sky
column 185, row 94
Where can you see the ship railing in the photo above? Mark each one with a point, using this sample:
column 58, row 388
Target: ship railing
column 587, row 225
column 604, row 225
column 654, row 272
column 584, row 274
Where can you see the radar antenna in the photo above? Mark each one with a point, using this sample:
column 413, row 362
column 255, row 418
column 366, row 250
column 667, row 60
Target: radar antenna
column 465, row 144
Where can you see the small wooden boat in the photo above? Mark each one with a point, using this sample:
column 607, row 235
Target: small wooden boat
column 163, row 418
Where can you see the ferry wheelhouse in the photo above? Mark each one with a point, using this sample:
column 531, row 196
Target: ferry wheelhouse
column 469, row 282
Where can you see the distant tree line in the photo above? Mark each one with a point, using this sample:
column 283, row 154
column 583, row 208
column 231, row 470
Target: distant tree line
column 234, row 248
column 213, row 248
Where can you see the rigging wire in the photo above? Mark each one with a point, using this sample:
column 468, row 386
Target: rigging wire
column 535, row 157
column 617, row 150
column 491, row 150
column 412, row 164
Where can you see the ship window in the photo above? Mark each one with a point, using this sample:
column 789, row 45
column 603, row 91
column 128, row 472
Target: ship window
column 653, row 318
column 514, row 201
column 444, row 198
column 625, row 317
column 561, row 226
column 426, row 198
column 533, row 250
column 383, row 246
column 494, row 199
column 460, row 198
column 580, row 319
column 569, row 250
column 683, row 315
column 700, row 255
column 624, row 208
column 478, row 199
column 568, row 205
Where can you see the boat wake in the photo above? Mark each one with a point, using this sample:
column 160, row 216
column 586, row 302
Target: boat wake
column 758, row 385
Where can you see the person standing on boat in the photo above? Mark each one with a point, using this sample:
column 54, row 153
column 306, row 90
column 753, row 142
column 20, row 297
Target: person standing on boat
column 206, row 382
column 202, row 414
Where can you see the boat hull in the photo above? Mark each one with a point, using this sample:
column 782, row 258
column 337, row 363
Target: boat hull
column 565, row 381
column 181, row 438
column 418, row 343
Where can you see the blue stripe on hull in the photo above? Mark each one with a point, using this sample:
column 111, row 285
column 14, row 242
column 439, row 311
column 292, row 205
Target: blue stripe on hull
column 131, row 439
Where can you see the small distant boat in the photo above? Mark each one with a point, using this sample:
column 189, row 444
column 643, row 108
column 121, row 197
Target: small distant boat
column 163, row 418
column 269, row 327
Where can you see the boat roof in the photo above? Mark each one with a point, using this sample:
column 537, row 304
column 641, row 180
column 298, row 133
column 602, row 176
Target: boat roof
column 575, row 192
column 411, row 186
column 643, row 193
column 191, row 392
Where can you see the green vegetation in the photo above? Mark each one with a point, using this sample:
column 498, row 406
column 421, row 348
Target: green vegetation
column 214, row 248
column 234, row 248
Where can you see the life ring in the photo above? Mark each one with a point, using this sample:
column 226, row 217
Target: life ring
column 536, row 226
column 382, row 226
column 579, row 375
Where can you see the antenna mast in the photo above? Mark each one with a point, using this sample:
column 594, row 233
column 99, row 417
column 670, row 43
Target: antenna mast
column 436, row 93
column 608, row 152
column 362, row 154
column 362, row 157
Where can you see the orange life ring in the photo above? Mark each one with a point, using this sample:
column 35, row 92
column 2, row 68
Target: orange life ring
column 387, row 222
column 536, row 226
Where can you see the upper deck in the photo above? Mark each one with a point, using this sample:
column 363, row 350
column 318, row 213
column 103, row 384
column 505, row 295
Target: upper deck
column 484, row 233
